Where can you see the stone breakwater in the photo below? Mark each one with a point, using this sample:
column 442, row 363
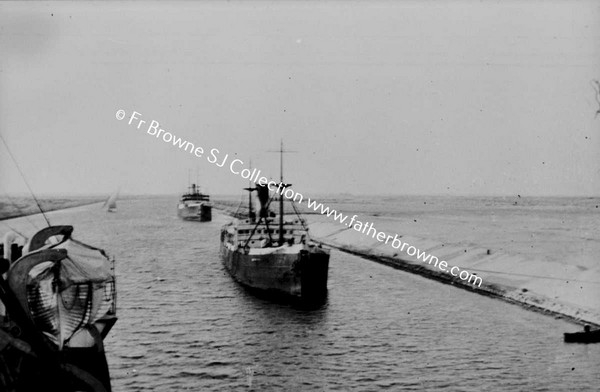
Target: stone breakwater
column 556, row 288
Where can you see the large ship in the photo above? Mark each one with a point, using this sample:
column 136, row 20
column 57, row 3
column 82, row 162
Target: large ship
column 195, row 205
column 274, row 253
column 57, row 304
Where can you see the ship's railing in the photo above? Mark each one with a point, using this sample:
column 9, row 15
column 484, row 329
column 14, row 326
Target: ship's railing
column 199, row 197
column 113, row 286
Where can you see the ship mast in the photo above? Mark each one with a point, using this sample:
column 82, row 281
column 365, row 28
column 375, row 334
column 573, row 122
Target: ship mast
column 190, row 181
column 250, row 195
column 281, row 196
column 250, row 189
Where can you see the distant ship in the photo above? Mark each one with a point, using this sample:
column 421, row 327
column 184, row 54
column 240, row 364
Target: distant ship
column 274, row 254
column 111, row 203
column 58, row 304
column 195, row 205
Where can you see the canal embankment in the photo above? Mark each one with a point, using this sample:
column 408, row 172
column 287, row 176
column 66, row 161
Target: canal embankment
column 561, row 289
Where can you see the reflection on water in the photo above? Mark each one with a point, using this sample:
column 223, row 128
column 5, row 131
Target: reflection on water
column 185, row 325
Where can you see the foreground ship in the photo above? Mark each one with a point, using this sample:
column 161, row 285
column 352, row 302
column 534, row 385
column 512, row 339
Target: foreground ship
column 273, row 254
column 58, row 303
column 195, row 205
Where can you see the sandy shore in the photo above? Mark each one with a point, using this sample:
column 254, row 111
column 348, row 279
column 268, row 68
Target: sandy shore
column 534, row 260
column 15, row 207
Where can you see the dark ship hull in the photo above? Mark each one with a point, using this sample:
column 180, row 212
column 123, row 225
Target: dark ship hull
column 75, row 369
column 583, row 337
column 201, row 213
column 301, row 275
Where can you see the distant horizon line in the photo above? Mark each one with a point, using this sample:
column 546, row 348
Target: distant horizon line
column 132, row 194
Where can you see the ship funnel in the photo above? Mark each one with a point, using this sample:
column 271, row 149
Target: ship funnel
column 263, row 197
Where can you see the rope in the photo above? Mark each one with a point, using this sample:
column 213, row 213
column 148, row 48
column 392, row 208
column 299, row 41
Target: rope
column 26, row 216
column 25, row 180
column 16, row 231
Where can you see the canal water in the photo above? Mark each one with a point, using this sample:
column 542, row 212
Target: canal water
column 185, row 325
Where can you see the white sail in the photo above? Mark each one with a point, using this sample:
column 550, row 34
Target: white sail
column 111, row 203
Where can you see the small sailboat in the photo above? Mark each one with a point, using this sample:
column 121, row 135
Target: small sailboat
column 111, row 203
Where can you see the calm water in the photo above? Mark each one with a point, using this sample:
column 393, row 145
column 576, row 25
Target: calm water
column 185, row 325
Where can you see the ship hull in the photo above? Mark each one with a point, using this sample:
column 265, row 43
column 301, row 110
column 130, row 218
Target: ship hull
column 202, row 213
column 300, row 275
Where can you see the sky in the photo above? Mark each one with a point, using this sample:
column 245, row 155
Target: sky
column 375, row 97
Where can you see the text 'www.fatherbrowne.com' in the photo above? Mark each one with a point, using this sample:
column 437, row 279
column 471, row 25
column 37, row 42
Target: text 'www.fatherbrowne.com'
column 236, row 166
